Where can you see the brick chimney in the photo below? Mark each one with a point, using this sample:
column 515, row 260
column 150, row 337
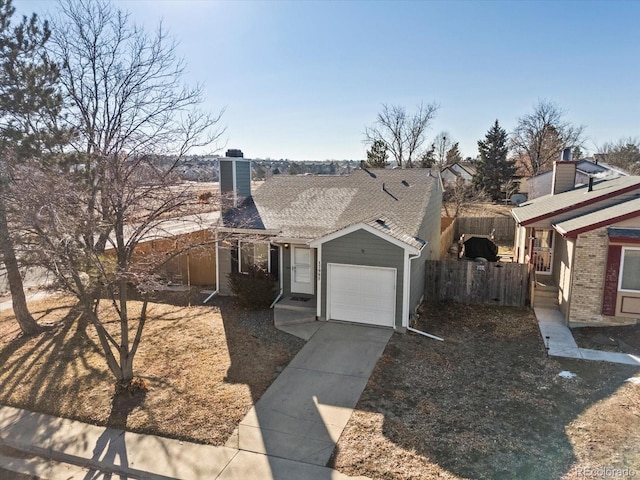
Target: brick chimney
column 235, row 178
column 564, row 173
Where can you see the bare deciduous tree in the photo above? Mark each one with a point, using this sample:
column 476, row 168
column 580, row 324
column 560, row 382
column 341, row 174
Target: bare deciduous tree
column 541, row 136
column 459, row 194
column 625, row 154
column 441, row 144
column 402, row 134
column 128, row 104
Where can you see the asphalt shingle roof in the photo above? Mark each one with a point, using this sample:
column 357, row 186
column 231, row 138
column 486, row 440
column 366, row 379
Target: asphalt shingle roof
column 599, row 217
column 589, row 167
column 308, row 207
column 389, row 228
column 550, row 204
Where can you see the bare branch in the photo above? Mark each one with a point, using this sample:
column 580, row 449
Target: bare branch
column 541, row 136
column 402, row 134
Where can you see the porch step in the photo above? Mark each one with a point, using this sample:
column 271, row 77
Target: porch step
column 546, row 303
column 294, row 310
column 545, row 286
column 546, row 296
column 547, row 293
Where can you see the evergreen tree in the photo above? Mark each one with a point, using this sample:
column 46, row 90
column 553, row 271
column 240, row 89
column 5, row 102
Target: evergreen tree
column 428, row 158
column 453, row 155
column 493, row 168
column 377, row 156
column 29, row 104
column 577, row 153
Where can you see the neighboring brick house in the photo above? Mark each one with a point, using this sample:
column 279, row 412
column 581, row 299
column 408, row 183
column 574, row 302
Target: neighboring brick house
column 343, row 247
column 584, row 243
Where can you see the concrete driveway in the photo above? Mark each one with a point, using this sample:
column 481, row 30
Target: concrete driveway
column 302, row 415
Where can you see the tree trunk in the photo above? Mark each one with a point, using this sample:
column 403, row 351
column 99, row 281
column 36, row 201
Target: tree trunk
column 27, row 323
column 126, row 368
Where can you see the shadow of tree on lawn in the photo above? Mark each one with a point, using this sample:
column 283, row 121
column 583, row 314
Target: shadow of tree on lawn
column 486, row 403
column 111, row 448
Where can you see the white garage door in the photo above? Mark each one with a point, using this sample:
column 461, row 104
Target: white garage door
column 361, row 294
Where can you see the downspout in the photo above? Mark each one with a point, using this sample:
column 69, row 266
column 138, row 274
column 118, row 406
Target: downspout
column 532, row 243
column 319, row 282
column 414, row 330
column 235, row 184
column 280, row 264
column 215, row 292
column 425, row 334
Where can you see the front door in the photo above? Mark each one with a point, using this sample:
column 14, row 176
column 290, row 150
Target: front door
column 543, row 251
column 302, row 270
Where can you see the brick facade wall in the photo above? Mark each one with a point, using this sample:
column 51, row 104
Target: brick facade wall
column 587, row 289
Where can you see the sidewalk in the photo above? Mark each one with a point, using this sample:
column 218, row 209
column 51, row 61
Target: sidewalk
column 72, row 444
column 559, row 339
column 31, row 297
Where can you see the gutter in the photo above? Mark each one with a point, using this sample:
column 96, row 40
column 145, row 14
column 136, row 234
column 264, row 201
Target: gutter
column 254, row 231
column 291, row 240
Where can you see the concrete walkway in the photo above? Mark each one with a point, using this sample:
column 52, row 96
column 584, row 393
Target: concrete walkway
column 303, row 413
column 559, row 339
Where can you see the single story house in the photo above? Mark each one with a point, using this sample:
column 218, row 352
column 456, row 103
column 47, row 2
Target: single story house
column 540, row 185
column 353, row 247
column 584, row 242
column 458, row 170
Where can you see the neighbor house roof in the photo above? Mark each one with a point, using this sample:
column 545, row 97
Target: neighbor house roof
column 589, row 167
column 599, row 218
column 469, row 168
column 457, row 166
column 308, row 207
column 585, row 166
column 168, row 228
column 551, row 205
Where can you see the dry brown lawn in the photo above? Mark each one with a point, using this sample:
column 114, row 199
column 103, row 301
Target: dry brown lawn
column 613, row 339
column 205, row 367
column 481, row 209
column 487, row 403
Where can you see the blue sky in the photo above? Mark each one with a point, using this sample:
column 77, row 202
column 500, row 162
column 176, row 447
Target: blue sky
column 302, row 79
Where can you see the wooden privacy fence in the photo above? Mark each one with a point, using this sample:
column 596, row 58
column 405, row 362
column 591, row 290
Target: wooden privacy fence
column 194, row 266
column 505, row 227
column 471, row 282
column 447, row 229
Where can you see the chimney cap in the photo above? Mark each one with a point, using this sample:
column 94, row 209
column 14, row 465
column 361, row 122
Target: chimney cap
column 234, row 153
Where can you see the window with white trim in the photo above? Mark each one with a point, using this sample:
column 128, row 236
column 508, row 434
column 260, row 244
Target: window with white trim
column 630, row 269
column 254, row 254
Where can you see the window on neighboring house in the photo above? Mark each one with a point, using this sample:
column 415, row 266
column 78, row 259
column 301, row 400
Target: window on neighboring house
column 630, row 269
column 254, row 254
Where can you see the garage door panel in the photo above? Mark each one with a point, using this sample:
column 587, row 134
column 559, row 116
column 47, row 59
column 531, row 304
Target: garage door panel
column 362, row 294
